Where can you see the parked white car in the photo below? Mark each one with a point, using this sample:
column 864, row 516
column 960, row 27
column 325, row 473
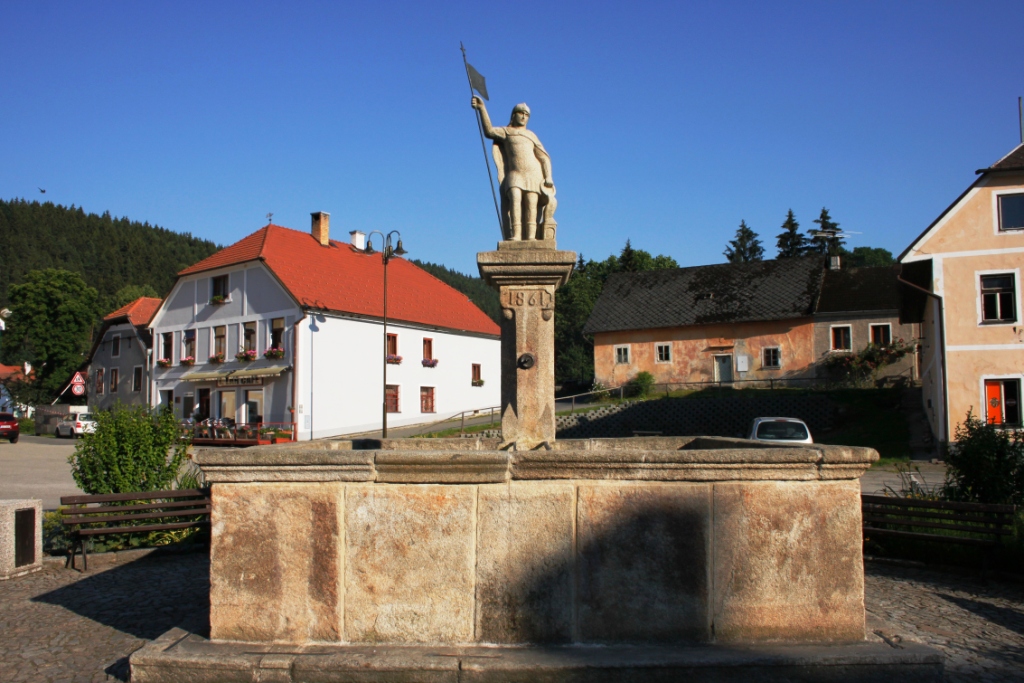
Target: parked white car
column 780, row 429
column 76, row 424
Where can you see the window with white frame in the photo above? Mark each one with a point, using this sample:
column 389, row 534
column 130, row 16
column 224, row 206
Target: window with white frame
column 115, row 346
column 663, row 353
column 998, row 298
column 842, row 338
column 219, row 291
column 1002, row 402
column 1011, row 211
column 137, row 379
column 622, row 355
column 113, row 380
column 771, row 358
column 99, row 381
column 881, row 334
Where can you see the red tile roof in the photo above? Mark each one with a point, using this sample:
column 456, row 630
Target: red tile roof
column 11, row 372
column 138, row 312
column 340, row 278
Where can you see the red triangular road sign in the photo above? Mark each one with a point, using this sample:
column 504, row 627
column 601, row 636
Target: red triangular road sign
column 78, row 379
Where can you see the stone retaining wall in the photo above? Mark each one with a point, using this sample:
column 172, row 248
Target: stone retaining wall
column 714, row 416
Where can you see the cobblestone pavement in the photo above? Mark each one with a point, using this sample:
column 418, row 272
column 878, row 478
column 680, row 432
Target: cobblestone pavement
column 977, row 624
column 60, row 625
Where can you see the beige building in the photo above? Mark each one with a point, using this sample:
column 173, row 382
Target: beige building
column 962, row 277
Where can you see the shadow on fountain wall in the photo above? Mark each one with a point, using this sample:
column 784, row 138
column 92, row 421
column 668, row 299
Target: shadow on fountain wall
column 644, row 578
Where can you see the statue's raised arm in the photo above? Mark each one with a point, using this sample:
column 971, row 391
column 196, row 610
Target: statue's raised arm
column 524, row 173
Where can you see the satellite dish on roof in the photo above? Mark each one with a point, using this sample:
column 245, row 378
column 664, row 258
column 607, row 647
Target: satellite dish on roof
column 5, row 313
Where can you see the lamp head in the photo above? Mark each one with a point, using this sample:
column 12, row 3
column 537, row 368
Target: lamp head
column 399, row 251
column 369, row 247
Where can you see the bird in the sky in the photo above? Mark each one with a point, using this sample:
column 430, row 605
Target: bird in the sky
column 42, row 190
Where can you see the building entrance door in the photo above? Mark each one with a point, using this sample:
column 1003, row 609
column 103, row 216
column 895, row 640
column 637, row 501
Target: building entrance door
column 723, row 368
column 204, row 404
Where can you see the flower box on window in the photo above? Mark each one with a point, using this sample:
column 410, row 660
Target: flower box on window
column 217, row 358
column 163, row 362
column 218, row 299
column 478, row 383
column 188, row 360
column 273, row 353
column 246, row 356
column 392, row 359
column 430, row 362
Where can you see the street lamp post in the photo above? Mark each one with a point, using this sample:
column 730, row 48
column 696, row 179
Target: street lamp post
column 385, row 256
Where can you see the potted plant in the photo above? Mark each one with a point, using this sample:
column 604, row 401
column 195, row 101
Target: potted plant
column 217, row 358
column 273, row 353
column 163, row 362
column 478, row 383
column 218, row 299
column 188, row 360
column 430, row 362
column 246, row 356
column 393, row 359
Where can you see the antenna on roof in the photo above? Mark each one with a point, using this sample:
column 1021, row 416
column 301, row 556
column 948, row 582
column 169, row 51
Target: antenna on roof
column 269, row 216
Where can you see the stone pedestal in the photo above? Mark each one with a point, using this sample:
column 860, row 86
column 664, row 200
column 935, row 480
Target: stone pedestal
column 21, row 537
column 526, row 275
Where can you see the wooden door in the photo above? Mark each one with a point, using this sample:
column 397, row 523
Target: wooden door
column 723, row 368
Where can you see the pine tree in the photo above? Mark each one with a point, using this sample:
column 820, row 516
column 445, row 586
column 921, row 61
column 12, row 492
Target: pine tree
column 791, row 241
column 821, row 244
column 746, row 246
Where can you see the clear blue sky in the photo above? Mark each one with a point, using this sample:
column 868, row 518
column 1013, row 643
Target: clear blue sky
column 667, row 123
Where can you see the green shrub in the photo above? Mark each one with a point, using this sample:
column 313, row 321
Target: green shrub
column 132, row 449
column 26, row 425
column 641, row 384
column 56, row 539
column 857, row 368
column 985, row 465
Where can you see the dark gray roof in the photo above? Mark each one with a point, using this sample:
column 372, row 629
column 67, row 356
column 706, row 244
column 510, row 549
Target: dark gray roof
column 725, row 293
column 1014, row 161
column 860, row 289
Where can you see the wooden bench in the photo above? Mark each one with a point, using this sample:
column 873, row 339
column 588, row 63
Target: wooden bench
column 144, row 511
column 920, row 519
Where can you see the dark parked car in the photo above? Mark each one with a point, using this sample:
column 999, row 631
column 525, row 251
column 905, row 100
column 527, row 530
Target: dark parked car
column 9, row 427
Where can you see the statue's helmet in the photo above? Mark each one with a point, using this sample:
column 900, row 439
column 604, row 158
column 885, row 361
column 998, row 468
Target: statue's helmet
column 520, row 107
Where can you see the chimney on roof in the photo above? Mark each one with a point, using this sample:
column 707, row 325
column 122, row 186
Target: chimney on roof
column 322, row 228
column 834, row 263
column 358, row 239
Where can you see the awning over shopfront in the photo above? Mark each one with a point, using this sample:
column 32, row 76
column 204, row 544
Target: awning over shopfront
column 270, row 371
column 206, row 375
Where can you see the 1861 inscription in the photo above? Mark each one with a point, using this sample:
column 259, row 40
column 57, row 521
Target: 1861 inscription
column 527, row 298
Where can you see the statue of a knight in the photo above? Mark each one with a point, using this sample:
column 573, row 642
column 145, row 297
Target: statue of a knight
column 524, row 172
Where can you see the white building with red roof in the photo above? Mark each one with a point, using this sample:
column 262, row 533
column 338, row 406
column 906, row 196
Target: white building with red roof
column 282, row 333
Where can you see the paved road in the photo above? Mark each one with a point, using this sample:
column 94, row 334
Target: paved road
column 60, row 625
column 37, row 467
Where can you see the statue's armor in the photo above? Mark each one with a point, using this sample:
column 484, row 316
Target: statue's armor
column 519, row 150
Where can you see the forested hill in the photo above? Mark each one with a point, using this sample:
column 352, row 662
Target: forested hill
column 478, row 292
column 109, row 253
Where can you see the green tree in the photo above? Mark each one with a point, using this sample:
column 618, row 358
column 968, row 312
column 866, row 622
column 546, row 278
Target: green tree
column 132, row 449
column 52, row 313
column 791, row 241
column 745, row 247
column 868, row 257
column 824, row 244
column 130, row 293
column 986, row 464
column 574, row 352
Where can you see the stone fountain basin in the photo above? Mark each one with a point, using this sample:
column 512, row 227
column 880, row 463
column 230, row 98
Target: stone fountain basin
column 451, row 542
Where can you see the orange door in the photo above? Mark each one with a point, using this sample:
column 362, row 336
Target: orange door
column 994, row 402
